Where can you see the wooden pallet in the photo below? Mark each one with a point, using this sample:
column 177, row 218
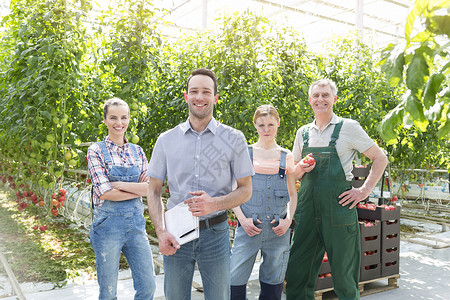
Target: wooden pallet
column 364, row 290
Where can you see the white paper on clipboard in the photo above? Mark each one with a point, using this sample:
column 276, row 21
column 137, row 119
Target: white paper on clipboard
column 181, row 223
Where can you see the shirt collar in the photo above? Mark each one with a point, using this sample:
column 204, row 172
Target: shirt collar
column 113, row 145
column 334, row 120
column 212, row 126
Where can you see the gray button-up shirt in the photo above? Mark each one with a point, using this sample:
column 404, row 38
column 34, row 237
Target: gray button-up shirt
column 210, row 161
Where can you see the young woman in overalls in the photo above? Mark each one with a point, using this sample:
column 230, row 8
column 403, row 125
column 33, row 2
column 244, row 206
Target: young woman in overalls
column 265, row 219
column 117, row 170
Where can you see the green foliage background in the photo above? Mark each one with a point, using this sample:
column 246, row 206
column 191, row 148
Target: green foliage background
column 59, row 64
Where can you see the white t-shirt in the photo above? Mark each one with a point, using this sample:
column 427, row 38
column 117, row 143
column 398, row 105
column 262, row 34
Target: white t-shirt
column 351, row 138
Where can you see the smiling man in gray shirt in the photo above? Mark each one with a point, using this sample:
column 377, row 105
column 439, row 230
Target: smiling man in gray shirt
column 208, row 167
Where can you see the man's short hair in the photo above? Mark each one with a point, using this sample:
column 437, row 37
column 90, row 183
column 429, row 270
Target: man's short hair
column 324, row 82
column 206, row 72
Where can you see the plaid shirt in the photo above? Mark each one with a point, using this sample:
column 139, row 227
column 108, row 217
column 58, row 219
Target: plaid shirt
column 120, row 155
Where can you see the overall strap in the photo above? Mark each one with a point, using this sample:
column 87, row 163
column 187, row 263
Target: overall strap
column 135, row 153
column 105, row 152
column 250, row 152
column 305, row 135
column 283, row 155
column 282, row 168
column 335, row 135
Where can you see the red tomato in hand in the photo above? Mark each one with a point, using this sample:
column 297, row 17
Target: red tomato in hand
column 308, row 159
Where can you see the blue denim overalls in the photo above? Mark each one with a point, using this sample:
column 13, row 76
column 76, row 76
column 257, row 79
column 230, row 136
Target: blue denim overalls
column 268, row 202
column 119, row 226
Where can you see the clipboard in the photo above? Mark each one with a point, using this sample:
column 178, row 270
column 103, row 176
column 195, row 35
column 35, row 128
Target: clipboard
column 182, row 224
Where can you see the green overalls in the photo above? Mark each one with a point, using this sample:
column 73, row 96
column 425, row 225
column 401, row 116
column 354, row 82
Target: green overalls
column 322, row 224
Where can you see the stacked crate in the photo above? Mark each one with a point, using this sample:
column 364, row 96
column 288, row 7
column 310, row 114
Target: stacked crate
column 380, row 241
column 390, row 237
column 359, row 176
column 390, row 247
column 325, row 281
column 370, row 250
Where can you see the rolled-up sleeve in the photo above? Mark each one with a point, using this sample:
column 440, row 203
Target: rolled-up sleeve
column 241, row 163
column 98, row 172
column 143, row 163
column 298, row 145
column 157, row 167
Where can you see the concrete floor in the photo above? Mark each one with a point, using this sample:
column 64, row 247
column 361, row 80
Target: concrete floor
column 424, row 272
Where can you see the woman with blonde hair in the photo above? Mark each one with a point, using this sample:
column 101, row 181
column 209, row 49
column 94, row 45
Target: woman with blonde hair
column 265, row 219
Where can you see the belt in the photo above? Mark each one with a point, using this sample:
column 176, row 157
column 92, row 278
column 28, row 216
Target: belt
column 214, row 220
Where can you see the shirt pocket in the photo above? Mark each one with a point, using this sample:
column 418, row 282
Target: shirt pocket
column 282, row 197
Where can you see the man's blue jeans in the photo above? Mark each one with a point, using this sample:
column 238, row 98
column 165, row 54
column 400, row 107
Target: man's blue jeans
column 211, row 251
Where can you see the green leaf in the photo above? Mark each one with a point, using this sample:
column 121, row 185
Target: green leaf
column 415, row 109
column 417, row 70
column 127, row 87
column 422, row 36
column 419, row 8
column 393, row 65
column 413, row 106
column 280, row 79
column 431, row 89
column 444, row 130
column 389, row 124
column 441, row 25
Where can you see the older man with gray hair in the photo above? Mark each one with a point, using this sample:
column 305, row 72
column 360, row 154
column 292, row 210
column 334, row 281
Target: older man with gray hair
column 326, row 217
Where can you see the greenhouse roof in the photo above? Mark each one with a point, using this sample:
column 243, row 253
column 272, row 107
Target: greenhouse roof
column 319, row 21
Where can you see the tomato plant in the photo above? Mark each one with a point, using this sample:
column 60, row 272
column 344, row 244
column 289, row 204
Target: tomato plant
column 60, row 62
column 422, row 64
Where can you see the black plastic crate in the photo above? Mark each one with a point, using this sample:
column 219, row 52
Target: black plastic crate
column 326, row 282
column 380, row 214
column 325, row 268
column 361, row 172
column 370, row 272
column 370, row 236
column 357, row 183
column 370, row 257
column 323, row 283
column 390, row 241
column 390, row 254
column 390, row 268
column 390, row 227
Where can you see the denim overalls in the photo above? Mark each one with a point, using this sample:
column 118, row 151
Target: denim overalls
column 119, row 226
column 269, row 199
